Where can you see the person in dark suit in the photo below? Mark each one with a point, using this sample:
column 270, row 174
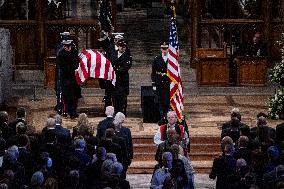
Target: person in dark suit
column 160, row 80
column 5, row 130
column 109, row 145
column 103, row 125
column 61, row 133
column 224, row 168
column 20, row 117
column 280, row 136
column 68, row 61
column 257, row 47
column 124, row 132
column 122, row 63
column 235, row 114
column 122, row 142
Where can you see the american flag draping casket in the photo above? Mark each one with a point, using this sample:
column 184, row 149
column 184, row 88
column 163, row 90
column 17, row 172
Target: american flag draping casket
column 93, row 64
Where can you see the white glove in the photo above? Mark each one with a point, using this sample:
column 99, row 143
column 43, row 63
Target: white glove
column 154, row 88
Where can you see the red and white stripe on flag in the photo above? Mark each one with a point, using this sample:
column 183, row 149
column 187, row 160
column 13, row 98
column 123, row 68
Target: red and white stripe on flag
column 173, row 72
column 95, row 65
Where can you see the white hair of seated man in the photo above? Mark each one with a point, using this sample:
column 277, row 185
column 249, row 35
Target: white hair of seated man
column 50, row 122
column 235, row 110
column 118, row 119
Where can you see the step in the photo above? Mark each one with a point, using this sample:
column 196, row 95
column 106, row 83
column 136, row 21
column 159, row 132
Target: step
column 194, row 148
column 205, row 140
column 149, row 139
column 141, row 148
column 147, row 167
column 195, row 156
column 204, row 156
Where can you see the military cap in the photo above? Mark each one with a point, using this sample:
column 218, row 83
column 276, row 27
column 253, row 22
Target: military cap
column 118, row 36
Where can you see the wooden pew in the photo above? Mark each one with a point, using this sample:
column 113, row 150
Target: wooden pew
column 212, row 67
column 49, row 72
column 251, row 71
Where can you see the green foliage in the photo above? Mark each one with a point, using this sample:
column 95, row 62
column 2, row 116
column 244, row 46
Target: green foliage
column 276, row 75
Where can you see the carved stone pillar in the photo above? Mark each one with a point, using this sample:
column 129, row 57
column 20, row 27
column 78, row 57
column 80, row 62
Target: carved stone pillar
column 5, row 65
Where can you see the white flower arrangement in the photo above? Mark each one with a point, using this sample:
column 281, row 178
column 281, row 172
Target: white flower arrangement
column 276, row 75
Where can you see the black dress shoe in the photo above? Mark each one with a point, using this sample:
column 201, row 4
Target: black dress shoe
column 73, row 116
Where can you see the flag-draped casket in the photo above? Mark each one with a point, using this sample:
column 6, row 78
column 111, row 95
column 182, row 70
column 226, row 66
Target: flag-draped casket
column 93, row 64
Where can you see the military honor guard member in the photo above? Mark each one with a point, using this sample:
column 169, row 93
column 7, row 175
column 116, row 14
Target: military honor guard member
column 68, row 62
column 160, row 80
column 121, row 64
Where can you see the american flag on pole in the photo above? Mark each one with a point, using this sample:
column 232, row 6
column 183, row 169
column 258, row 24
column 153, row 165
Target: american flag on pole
column 95, row 65
column 173, row 72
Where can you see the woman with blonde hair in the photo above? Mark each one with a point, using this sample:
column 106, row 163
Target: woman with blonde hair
column 83, row 126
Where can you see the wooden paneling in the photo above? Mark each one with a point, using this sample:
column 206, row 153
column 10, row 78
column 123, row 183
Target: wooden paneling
column 49, row 71
column 251, row 71
column 210, row 52
column 213, row 71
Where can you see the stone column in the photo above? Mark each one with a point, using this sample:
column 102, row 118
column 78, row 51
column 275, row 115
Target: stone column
column 5, row 65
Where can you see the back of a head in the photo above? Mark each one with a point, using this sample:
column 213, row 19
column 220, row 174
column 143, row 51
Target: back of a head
column 58, row 119
column 243, row 141
column 109, row 133
column 50, row 122
column 261, row 121
column 3, row 116
column 51, row 183
column 241, row 163
column 79, row 143
column 226, row 140
column 109, row 111
column 82, row 120
column 235, row 112
column 167, row 155
column 117, row 169
column 37, row 179
column 21, row 128
column 119, row 118
column 13, row 150
column 111, row 156
column 175, row 149
column 21, row 112
column 273, row 152
column 229, row 149
column 261, row 114
column 101, row 153
column 106, row 168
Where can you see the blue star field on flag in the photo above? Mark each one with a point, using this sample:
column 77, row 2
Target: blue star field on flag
column 173, row 34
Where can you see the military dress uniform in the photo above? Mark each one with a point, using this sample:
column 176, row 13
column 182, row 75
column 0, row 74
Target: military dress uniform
column 121, row 65
column 71, row 91
column 110, row 53
column 58, row 84
column 161, row 81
